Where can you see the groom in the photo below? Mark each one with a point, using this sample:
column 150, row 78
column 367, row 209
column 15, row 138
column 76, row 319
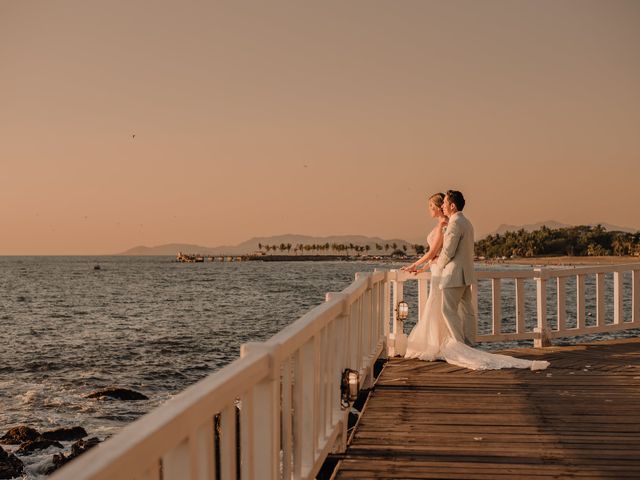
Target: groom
column 458, row 274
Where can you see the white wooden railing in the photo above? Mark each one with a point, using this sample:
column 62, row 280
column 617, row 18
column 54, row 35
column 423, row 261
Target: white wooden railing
column 288, row 393
column 275, row 413
column 540, row 330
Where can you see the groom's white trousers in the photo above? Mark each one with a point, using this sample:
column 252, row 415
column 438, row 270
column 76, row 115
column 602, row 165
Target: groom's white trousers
column 457, row 309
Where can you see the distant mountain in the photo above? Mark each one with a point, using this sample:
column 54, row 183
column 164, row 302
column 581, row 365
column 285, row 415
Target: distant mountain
column 553, row 224
column 251, row 245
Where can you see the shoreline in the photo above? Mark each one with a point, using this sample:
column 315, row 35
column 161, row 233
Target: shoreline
column 564, row 260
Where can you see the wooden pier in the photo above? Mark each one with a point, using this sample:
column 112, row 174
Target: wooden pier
column 580, row 418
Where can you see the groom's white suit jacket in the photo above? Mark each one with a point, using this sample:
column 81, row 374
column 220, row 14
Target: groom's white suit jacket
column 456, row 257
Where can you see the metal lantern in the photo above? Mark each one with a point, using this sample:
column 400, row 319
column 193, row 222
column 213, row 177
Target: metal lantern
column 402, row 310
column 349, row 387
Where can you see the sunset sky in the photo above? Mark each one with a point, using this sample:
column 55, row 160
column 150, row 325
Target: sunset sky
column 321, row 118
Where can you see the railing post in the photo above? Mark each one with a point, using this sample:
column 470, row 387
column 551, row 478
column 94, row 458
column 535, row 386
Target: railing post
column 304, row 407
column 496, row 304
column 287, row 419
column 520, row 324
column 600, row 310
column 580, row 302
column 542, row 330
column 398, row 337
column 340, row 363
column 386, row 315
column 201, row 445
column 176, row 464
column 618, row 317
column 367, row 325
column 635, row 296
column 228, row 443
column 262, row 419
column 562, row 307
column 384, row 306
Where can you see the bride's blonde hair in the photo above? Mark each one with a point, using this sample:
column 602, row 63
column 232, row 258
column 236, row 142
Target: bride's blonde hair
column 437, row 199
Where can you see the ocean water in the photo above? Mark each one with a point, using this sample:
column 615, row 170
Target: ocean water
column 156, row 326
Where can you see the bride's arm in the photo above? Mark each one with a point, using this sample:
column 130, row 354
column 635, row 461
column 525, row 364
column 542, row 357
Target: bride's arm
column 418, row 262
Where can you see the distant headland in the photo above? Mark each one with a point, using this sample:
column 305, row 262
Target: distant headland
column 288, row 244
column 544, row 239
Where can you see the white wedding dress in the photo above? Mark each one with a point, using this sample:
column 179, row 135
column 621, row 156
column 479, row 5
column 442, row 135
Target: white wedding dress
column 431, row 339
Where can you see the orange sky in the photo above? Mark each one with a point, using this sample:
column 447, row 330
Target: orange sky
column 320, row 118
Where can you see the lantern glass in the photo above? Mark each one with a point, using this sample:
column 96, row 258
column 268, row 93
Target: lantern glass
column 403, row 310
column 349, row 387
column 353, row 385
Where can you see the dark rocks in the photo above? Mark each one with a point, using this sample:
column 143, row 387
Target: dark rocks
column 18, row 435
column 82, row 446
column 10, row 465
column 78, row 448
column 23, row 434
column 118, row 394
column 59, row 460
column 40, row 444
column 65, row 434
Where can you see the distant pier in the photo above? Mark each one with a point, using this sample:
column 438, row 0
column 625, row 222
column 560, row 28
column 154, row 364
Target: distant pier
column 198, row 258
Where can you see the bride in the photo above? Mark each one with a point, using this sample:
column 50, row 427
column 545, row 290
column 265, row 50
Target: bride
column 431, row 339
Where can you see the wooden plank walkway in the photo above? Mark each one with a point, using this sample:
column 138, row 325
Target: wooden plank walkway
column 580, row 418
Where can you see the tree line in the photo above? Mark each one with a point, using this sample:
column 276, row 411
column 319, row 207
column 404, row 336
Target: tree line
column 338, row 248
column 581, row 240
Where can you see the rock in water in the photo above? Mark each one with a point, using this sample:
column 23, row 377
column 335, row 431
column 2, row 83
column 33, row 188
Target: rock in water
column 40, row 444
column 78, row 448
column 65, row 434
column 19, row 435
column 118, row 394
column 82, row 446
column 10, row 465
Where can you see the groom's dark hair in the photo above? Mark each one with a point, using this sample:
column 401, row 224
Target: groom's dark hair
column 456, row 198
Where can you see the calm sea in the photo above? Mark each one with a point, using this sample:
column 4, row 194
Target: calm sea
column 152, row 325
